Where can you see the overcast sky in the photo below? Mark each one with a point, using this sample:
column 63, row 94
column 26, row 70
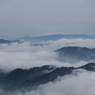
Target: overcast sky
column 20, row 18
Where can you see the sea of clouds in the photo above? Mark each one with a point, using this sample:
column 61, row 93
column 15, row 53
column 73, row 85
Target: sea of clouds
column 81, row 84
column 27, row 55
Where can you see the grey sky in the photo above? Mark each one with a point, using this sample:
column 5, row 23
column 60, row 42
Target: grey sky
column 41, row 17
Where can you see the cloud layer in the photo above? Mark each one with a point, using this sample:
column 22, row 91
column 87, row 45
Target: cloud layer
column 80, row 84
column 26, row 55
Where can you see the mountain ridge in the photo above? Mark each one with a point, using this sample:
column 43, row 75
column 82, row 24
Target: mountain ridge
column 30, row 78
column 3, row 41
column 73, row 54
column 55, row 37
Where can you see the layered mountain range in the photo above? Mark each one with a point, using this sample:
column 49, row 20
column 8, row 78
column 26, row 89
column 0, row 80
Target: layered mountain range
column 76, row 54
column 55, row 37
column 3, row 41
column 47, row 38
column 28, row 79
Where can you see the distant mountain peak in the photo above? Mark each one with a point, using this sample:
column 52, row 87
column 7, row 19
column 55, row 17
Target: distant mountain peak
column 3, row 41
column 74, row 54
column 21, row 79
column 56, row 37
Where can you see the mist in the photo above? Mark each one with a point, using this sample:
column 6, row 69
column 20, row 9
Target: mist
column 26, row 55
column 22, row 18
column 81, row 83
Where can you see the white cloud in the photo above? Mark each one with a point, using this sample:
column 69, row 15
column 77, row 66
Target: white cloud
column 72, row 42
column 26, row 56
column 81, row 84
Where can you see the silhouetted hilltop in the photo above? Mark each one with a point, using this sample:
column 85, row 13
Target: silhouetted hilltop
column 56, row 37
column 90, row 67
column 76, row 54
column 23, row 79
column 2, row 41
column 21, row 75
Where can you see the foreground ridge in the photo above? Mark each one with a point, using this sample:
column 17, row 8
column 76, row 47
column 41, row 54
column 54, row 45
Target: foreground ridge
column 21, row 79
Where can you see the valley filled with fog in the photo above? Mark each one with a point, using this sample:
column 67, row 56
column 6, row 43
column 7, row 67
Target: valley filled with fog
column 28, row 55
column 47, row 47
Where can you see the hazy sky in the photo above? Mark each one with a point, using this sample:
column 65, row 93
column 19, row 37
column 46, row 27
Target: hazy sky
column 42, row 17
